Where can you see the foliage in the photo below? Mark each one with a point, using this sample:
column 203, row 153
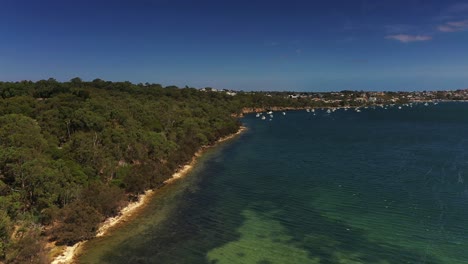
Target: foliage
column 72, row 153
column 79, row 222
column 27, row 246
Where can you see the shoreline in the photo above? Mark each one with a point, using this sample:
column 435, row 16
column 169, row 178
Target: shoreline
column 69, row 253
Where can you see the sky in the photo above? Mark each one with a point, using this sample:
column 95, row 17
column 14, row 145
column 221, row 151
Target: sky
column 295, row 45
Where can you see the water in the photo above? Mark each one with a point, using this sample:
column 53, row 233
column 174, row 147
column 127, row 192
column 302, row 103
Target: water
column 380, row 186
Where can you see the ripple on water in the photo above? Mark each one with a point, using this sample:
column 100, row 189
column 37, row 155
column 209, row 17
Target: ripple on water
column 370, row 187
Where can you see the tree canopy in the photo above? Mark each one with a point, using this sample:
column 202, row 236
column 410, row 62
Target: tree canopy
column 72, row 153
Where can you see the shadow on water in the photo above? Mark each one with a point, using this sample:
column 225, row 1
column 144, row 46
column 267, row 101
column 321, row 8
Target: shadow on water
column 336, row 242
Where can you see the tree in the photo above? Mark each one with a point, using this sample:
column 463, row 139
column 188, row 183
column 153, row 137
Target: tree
column 105, row 199
column 76, row 82
column 17, row 130
column 27, row 246
column 5, row 233
column 76, row 222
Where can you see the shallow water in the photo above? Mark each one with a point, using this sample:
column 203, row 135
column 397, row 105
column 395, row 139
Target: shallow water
column 380, row 186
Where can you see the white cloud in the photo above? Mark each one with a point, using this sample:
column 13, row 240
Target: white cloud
column 445, row 28
column 409, row 38
column 454, row 26
column 463, row 23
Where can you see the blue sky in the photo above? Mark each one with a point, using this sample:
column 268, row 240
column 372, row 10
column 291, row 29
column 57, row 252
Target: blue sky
column 244, row 45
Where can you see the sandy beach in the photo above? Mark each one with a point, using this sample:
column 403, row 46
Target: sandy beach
column 69, row 253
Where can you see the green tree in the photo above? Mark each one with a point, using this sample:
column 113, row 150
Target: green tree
column 5, row 233
column 76, row 222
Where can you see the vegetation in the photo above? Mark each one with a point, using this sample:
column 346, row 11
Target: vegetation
column 72, row 154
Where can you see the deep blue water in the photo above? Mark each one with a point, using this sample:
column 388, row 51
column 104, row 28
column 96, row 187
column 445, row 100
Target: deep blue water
column 380, row 186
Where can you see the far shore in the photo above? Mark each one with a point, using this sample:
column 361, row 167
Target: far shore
column 69, row 253
column 250, row 110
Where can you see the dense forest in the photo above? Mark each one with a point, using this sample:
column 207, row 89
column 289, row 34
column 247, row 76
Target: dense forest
column 73, row 153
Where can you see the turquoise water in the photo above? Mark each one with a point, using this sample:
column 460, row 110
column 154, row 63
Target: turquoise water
column 380, row 186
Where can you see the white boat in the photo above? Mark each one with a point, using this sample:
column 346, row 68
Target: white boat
column 269, row 112
column 263, row 117
column 328, row 111
column 399, row 107
column 284, row 113
column 308, row 110
column 313, row 110
column 426, row 104
column 358, row 110
column 271, row 116
column 257, row 115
